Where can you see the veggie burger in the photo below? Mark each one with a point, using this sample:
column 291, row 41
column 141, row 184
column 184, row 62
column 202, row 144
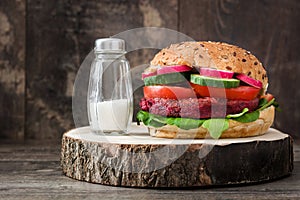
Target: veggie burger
column 206, row 90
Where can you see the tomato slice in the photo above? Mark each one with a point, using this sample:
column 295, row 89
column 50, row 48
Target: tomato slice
column 174, row 92
column 241, row 92
column 168, row 92
column 268, row 97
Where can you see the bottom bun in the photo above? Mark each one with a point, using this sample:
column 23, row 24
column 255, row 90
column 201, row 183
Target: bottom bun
column 236, row 129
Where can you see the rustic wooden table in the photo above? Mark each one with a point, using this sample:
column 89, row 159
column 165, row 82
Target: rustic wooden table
column 32, row 171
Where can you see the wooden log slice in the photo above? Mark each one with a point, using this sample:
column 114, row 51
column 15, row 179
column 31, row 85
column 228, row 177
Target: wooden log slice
column 139, row 160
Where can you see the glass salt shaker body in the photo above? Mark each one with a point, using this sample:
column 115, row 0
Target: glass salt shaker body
column 110, row 88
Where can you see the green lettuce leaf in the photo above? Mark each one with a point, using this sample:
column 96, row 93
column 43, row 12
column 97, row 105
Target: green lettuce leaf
column 263, row 103
column 185, row 123
column 248, row 117
column 150, row 120
column 216, row 127
column 245, row 110
column 159, row 121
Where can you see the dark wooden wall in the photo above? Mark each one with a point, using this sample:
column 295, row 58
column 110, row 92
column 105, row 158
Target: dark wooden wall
column 43, row 43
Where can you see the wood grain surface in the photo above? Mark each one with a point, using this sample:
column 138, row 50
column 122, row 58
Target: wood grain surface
column 12, row 69
column 43, row 43
column 32, row 171
column 139, row 160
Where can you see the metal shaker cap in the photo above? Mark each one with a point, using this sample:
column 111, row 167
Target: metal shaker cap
column 110, row 45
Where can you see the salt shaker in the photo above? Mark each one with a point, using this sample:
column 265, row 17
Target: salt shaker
column 110, row 93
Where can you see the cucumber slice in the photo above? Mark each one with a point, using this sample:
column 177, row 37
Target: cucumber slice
column 214, row 82
column 163, row 79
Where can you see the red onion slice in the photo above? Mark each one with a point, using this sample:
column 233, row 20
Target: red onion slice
column 147, row 74
column 250, row 81
column 216, row 73
column 173, row 69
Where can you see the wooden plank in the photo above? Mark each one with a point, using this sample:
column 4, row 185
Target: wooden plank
column 12, row 68
column 269, row 29
column 42, row 179
column 60, row 35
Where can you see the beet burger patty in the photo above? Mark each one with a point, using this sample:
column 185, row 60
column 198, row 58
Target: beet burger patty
column 196, row 108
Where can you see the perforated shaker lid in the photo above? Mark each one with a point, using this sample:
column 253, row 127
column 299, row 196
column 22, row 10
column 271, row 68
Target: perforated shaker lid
column 113, row 45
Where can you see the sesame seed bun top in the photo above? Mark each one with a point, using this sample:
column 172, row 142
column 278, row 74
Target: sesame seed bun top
column 217, row 55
